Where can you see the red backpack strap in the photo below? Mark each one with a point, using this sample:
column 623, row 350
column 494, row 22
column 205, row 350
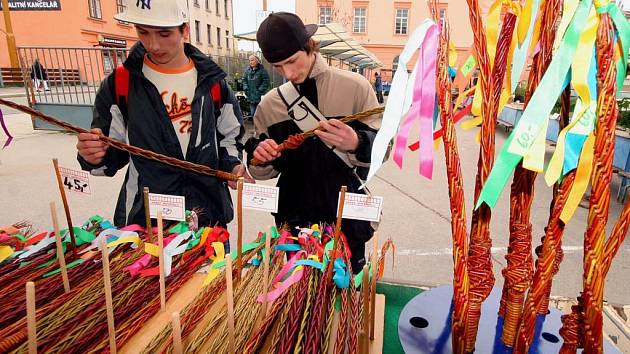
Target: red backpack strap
column 215, row 92
column 122, row 85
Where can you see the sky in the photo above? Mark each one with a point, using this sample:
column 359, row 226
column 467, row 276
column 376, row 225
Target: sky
column 245, row 16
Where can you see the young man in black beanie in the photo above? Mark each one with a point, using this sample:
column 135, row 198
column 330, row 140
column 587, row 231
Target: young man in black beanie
column 316, row 95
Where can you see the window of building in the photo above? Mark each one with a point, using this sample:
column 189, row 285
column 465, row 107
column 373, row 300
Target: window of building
column 226, row 6
column 395, row 63
column 197, row 31
column 95, row 9
column 325, row 15
column 227, row 39
column 216, row 5
column 207, row 5
column 360, row 20
column 209, row 34
column 196, row 3
column 402, row 20
column 219, row 37
column 121, row 6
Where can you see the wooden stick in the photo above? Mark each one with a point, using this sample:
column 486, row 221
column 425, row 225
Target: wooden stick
column 161, row 260
column 108, row 297
column 30, row 317
column 239, row 228
column 342, row 200
column 60, row 255
column 365, row 289
column 230, row 303
column 177, row 334
column 266, row 261
column 64, row 199
column 373, row 284
column 147, row 215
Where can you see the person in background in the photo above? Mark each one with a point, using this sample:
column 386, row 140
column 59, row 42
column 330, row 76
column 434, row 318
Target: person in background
column 39, row 76
column 378, row 87
column 255, row 83
column 172, row 108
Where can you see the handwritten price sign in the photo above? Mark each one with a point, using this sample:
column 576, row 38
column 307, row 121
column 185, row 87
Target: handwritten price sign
column 362, row 207
column 259, row 197
column 75, row 181
column 173, row 207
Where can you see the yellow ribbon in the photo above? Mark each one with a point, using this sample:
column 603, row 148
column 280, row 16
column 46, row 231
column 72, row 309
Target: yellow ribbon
column 219, row 251
column 524, row 21
column 582, row 175
column 579, row 124
column 535, row 158
column 151, row 249
column 452, row 54
column 5, row 252
column 568, row 10
column 128, row 239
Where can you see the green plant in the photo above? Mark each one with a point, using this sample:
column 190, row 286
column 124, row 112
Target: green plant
column 519, row 91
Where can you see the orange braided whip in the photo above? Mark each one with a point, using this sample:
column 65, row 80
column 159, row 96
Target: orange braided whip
column 544, row 269
column 294, row 141
column 616, row 238
column 572, row 332
column 134, row 150
column 518, row 273
column 479, row 261
column 456, row 197
column 600, row 194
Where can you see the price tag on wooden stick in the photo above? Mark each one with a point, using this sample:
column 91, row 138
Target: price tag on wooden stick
column 362, row 207
column 260, row 197
column 173, row 207
column 75, row 181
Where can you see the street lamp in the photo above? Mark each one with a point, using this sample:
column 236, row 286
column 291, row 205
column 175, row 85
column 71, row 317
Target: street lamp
column 9, row 34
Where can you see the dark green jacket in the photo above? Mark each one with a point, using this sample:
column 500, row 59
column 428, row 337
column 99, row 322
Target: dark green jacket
column 256, row 83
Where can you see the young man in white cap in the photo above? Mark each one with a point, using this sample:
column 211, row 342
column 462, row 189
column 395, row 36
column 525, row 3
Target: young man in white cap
column 311, row 176
column 171, row 99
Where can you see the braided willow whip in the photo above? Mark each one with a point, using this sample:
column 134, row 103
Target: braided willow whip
column 616, row 239
column 456, row 196
column 519, row 270
column 572, row 331
column 479, row 261
column 294, row 141
column 600, row 195
column 298, row 305
column 544, row 269
column 134, row 150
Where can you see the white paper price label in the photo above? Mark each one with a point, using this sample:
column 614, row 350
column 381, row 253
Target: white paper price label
column 173, row 207
column 259, row 197
column 362, row 207
column 75, row 181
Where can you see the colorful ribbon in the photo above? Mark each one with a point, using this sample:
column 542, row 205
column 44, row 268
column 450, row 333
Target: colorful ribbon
column 423, row 105
column 399, row 99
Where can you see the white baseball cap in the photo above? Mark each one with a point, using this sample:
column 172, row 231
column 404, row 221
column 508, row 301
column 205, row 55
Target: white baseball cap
column 156, row 13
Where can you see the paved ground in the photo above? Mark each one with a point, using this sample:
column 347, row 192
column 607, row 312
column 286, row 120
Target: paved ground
column 416, row 211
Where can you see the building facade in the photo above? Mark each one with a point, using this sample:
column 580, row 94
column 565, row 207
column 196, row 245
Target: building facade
column 91, row 23
column 211, row 27
column 384, row 26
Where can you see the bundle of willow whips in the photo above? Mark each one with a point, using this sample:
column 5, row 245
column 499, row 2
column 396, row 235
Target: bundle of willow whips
column 519, row 271
column 287, row 326
column 480, row 273
column 455, row 192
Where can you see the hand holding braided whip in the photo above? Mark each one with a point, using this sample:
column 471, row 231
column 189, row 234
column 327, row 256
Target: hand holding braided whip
column 294, row 141
column 134, row 150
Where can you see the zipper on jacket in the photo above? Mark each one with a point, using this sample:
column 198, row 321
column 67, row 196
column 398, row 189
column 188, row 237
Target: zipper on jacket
column 198, row 142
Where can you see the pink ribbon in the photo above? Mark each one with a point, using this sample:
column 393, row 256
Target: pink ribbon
column 282, row 286
column 423, row 105
column 138, row 266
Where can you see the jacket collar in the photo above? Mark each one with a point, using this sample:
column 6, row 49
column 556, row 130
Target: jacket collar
column 206, row 68
column 320, row 66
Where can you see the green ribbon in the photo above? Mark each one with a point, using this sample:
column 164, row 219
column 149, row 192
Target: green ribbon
column 541, row 103
column 623, row 31
column 68, row 266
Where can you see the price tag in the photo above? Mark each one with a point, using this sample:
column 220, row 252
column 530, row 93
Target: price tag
column 173, row 207
column 75, row 181
column 260, row 197
column 362, row 207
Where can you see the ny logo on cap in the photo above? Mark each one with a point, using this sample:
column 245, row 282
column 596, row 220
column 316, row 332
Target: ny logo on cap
column 146, row 4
